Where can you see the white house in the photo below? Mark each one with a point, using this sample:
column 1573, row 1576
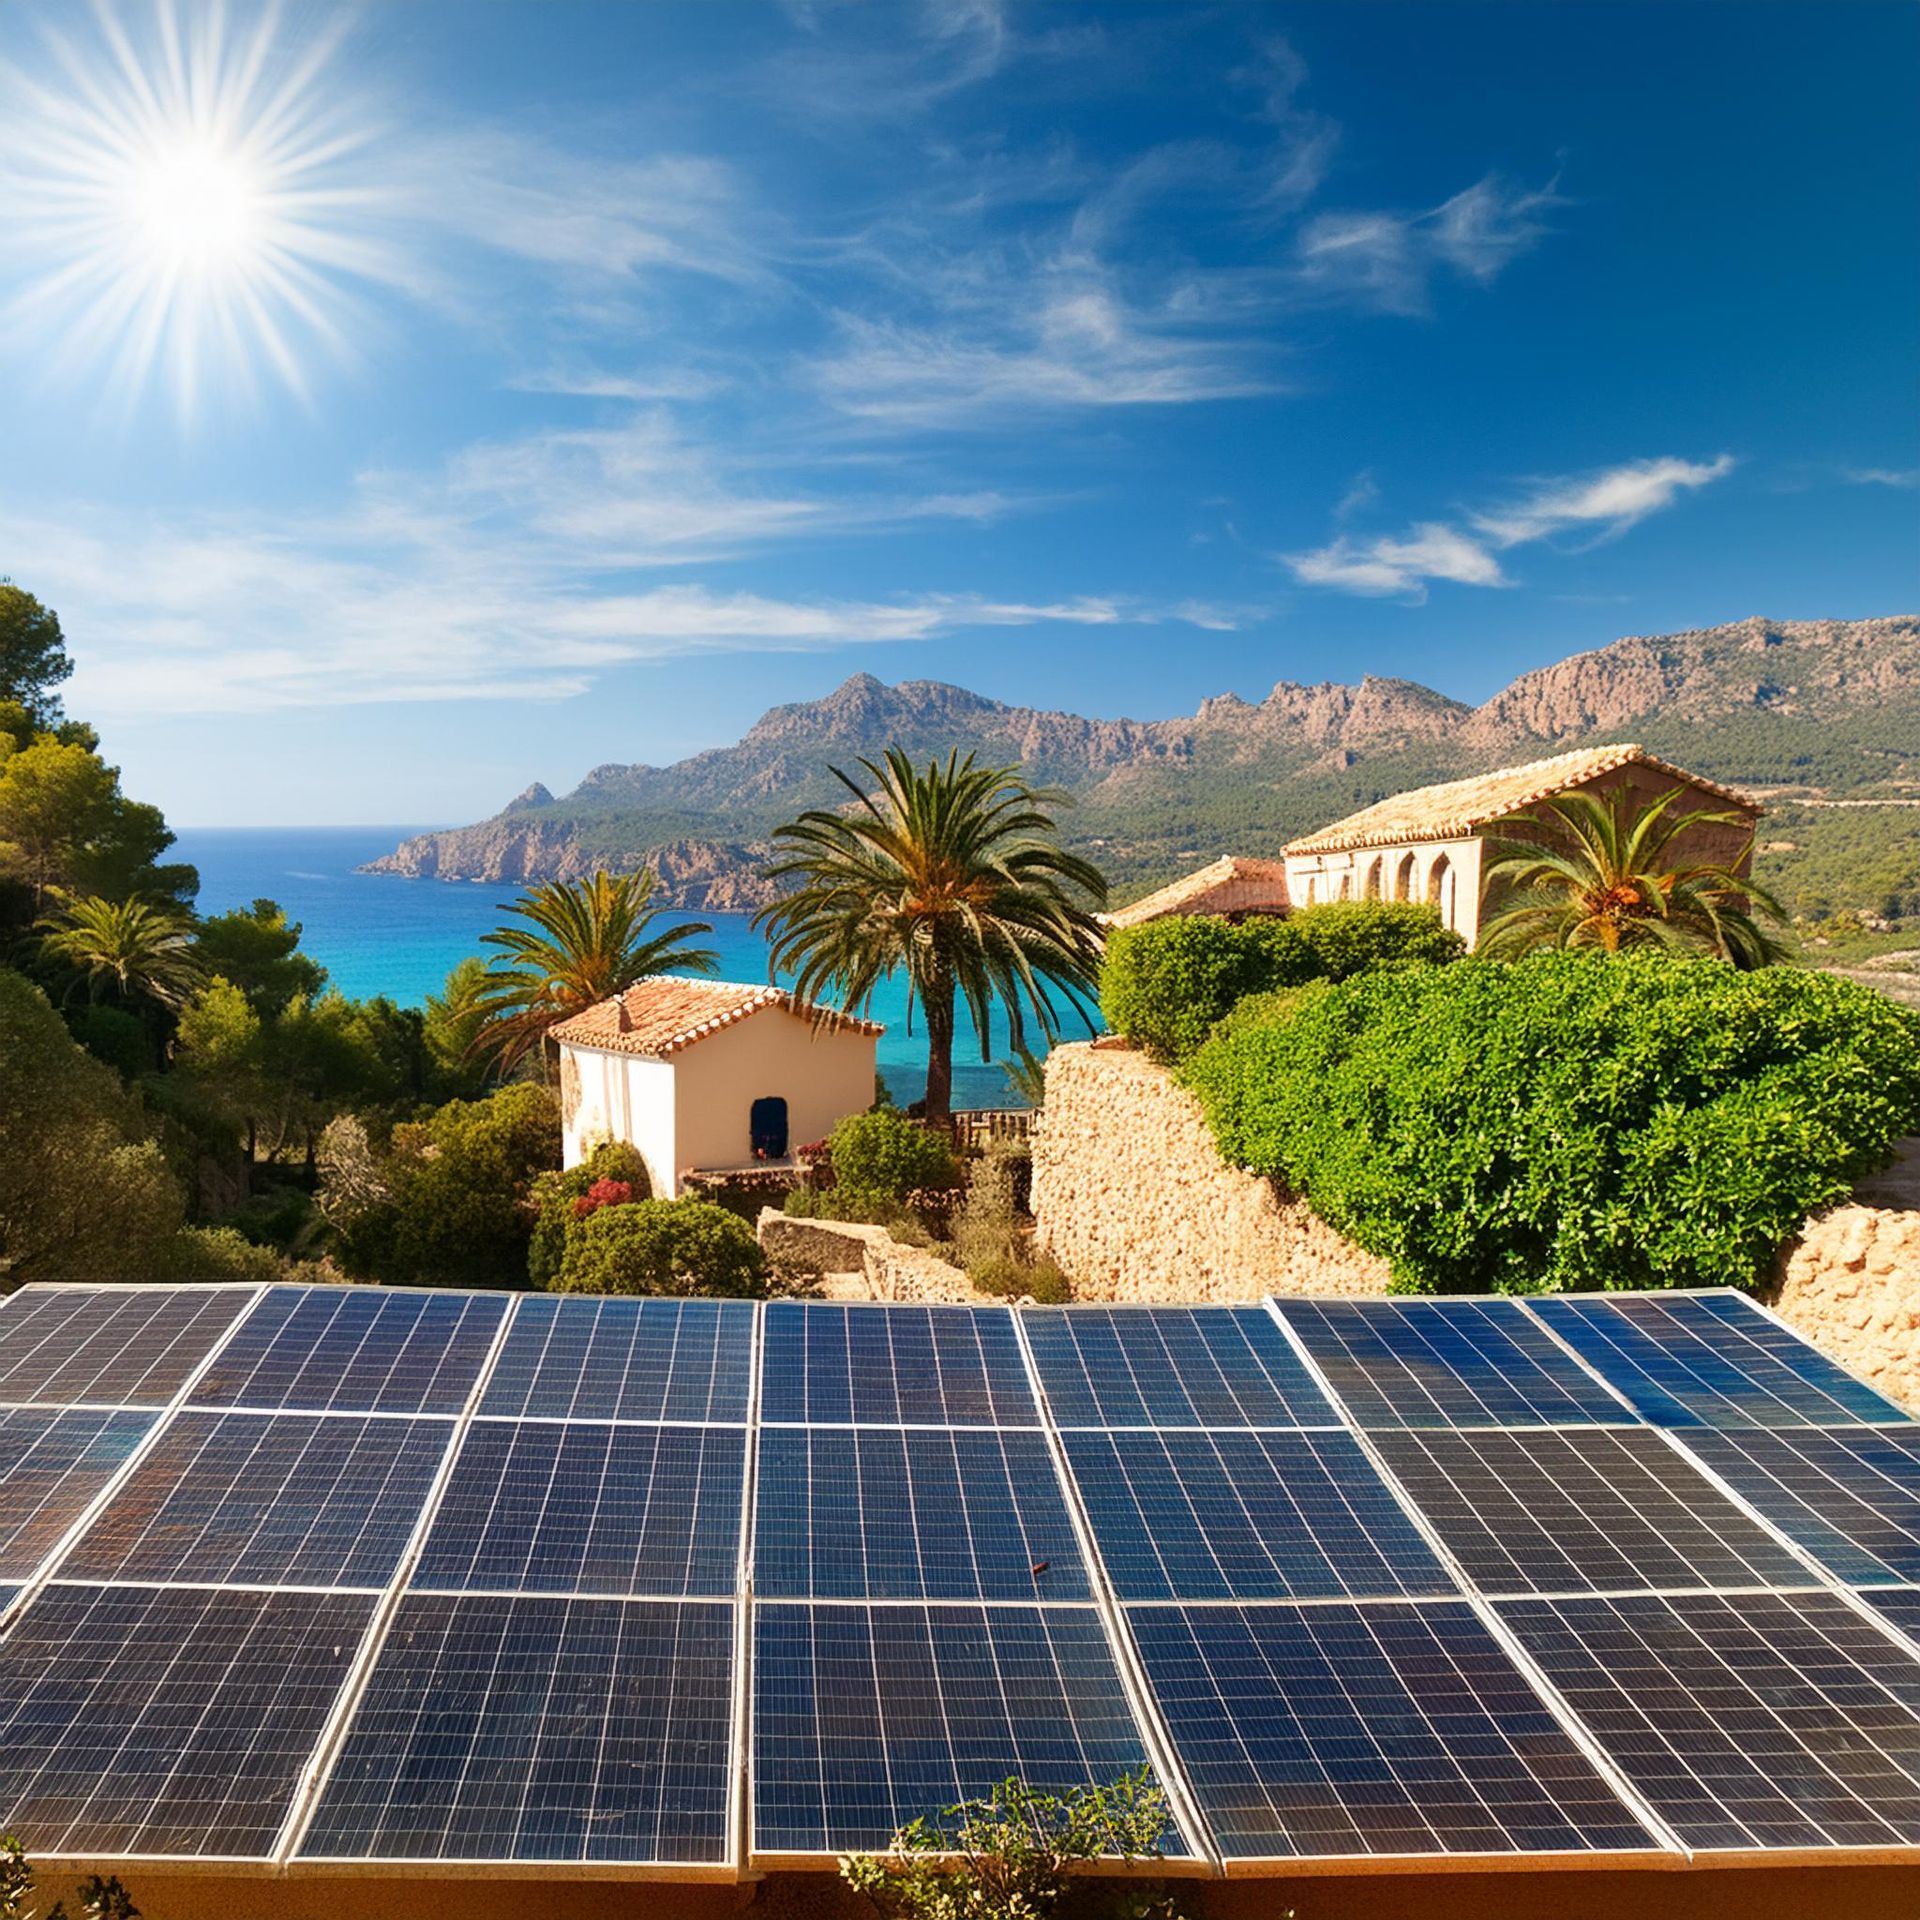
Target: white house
column 708, row 1075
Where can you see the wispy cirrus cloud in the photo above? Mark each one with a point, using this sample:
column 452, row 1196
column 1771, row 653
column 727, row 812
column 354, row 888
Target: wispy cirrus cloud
column 1904, row 478
column 1600, row 505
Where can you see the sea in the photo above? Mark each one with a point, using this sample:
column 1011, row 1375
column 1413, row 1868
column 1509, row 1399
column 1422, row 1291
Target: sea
column 380, row 933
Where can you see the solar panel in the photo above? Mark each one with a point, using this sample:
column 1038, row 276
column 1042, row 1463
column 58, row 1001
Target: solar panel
column 1582, row 1509
column 110, row 1346
column 590, row 1508
column 1240, row 1515
column 1172, row 1367
column 585, row 1359
column 891, row 1366
column 513, row 1728
column 1902, row 1608
column 355, row 1350
column 165, row 1721
column 7, row 1595
column 1345, row 1730
column 1849, row 1495
column 1446, row 1363
column 1712, row 1359
column 868, row 1717
column 267, row 1500
column 869, row 1513
column 53, row 1462
column 1746, row 1721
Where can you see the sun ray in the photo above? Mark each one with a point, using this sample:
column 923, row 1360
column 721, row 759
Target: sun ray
column 186, row 201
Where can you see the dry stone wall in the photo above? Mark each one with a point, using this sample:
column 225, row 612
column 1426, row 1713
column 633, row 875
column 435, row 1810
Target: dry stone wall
column 1135, row 1203
column 1851, row 1284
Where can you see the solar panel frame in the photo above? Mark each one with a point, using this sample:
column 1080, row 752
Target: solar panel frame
column 1156, row 1367
column 1393, row 1363
column 89, row 1330
column 144, row 1703
column 1248, row 1514
column 1653, row 1349
column 199, row 1505
column 1344, row 1683
column 54, row 1463
column 574, row 1357
column 993, row 1494
column 1581, row 1509
column 1658, row 1677
column 374, row 1350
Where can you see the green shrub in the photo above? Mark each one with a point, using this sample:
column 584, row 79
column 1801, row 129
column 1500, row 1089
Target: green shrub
column 846, row 1203
column 884, row 1153
column 219, row 1254
column 1167, row 984
column 1266, row 1009
column 663, row 1246
column 1569, row 1120
column 1008, row 1278
column 554, row 1195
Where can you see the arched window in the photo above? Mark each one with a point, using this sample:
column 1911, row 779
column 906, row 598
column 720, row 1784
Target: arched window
column 1403, row 879
column 767, row 1123
column 1372, row 889
column 1439, row 888
column 1346, row 885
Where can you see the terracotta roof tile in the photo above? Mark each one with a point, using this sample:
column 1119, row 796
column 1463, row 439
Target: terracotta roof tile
column 1460, row 807
column 1247, row 885
column 671, row 1012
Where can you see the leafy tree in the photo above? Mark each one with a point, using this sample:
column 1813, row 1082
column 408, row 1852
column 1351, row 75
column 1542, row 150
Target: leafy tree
column 450, row 1203
column 257, row 948
column 584, row 942
column 1015, row 1854
column 556, row 1195
column 883, row 1156
column 99, row 1899
column 663, row 1247
column 953, row 876
column 129, row 951
column 1588, row 871
column 452, row 1026
column 33, row 653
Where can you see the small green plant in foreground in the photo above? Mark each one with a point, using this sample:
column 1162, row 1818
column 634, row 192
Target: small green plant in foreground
column 1013, row 1855
column 99, row 1899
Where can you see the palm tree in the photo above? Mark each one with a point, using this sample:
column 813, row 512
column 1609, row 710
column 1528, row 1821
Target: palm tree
column 952, row 876
column 133, row 948
column 586, row 940
column 1599, row 873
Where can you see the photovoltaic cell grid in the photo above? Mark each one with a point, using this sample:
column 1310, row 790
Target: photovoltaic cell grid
column 867, row 1717
column 355, row 1350
column 893, row 1366
column 585, row 1359
column 515, row 1728
column 53, row 1463
column 1850, row 1495
column 267, row 1500
column 1709, row 1359
column 1247, row 1515
column 109, row 1346
column 1446, row 1363
column 1172, row 1367
column 1580, row 1510
column 165, row 1721
column 1746, row 1722
column 1381, row 1730
column 871, row 1513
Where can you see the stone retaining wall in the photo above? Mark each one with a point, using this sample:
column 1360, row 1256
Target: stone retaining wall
column 1851, row 1284
column 1135, row 1203
column 844, row 1250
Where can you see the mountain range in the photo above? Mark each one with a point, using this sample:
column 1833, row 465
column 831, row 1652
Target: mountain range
column 1821, row 717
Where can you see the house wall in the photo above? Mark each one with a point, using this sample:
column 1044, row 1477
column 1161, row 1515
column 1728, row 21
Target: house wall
column 823, row 1075
column 1445, row 872
column 619, row 1096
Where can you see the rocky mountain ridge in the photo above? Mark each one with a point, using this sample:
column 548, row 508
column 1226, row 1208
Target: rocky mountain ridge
column 1807, row 706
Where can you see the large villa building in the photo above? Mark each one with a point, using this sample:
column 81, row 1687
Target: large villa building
column 1431, row 844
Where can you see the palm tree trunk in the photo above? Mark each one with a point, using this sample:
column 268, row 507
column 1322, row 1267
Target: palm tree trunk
column 938, row 1000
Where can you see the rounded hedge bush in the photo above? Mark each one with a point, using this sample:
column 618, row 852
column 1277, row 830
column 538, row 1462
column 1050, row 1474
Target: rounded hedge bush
column 1571, row 1119
column 663, row 1246
column 555, row 1193
column 884, row 1156
column 1167, row 984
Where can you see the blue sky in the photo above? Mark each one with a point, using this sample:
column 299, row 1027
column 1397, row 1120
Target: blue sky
column 407, row 404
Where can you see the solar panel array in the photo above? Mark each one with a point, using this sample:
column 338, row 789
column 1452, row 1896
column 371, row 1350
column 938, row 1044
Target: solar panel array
column 349, row 1575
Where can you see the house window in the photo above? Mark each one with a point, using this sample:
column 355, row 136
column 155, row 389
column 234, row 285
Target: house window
column 768, row 1125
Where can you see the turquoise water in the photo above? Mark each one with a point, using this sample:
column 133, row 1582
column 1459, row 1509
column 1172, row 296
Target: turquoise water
column 378, row 933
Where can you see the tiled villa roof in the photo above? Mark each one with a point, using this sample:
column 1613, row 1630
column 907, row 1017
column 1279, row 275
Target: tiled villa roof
column 669, row 1013
column 1249, row 884
column 1460, row 807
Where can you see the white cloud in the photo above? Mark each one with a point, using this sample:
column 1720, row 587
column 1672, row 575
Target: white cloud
column 1903, row 477
column 1602, row 504
column 1607, row 503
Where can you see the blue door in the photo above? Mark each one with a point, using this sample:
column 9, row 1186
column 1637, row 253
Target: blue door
column 768, row 1124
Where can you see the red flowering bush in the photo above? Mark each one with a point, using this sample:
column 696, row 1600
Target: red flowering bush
column 603, row 1193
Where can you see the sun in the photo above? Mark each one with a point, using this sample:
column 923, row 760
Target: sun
column 185, row 204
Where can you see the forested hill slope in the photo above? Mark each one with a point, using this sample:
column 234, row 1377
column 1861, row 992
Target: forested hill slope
column 1808, row 712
